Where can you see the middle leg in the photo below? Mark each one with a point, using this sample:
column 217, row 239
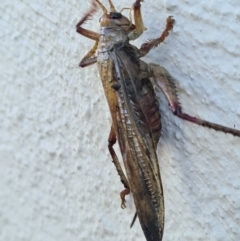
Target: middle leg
column 146, row 47
column 126, row 191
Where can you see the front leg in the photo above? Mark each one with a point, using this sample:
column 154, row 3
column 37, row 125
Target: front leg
column 138, row 17
column 165, row 82
column 139, row 26
column 85, row 32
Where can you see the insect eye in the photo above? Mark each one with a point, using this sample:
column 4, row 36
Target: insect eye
column 114, row 15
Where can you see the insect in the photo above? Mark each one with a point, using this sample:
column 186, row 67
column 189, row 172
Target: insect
column 128, row 85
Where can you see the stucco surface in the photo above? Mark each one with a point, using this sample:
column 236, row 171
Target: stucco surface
column 57, row 181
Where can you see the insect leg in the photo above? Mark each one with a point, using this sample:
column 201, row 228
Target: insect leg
column 146, row 47
column 166, row 83
column 88, row 59
column 139, row 27
column 138, row 17
column 85, row 32
column 111, row 142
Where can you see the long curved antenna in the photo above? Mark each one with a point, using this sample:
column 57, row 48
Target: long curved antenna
column 112, row 8
column 101, row 6
column 130, row 12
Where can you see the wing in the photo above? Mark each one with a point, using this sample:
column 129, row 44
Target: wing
column 137, row 137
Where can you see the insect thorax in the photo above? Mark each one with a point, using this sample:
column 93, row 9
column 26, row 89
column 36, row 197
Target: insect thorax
column 109, row 37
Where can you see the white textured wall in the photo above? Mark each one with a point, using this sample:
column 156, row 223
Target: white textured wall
column 57, row 181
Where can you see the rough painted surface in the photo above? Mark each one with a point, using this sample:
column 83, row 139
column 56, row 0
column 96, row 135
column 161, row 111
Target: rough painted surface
column 57, row 181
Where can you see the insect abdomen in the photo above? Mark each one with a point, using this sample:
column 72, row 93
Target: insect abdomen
column 150, row 107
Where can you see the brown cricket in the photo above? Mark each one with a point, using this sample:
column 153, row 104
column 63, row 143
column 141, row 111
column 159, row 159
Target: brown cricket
column 136, row 122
